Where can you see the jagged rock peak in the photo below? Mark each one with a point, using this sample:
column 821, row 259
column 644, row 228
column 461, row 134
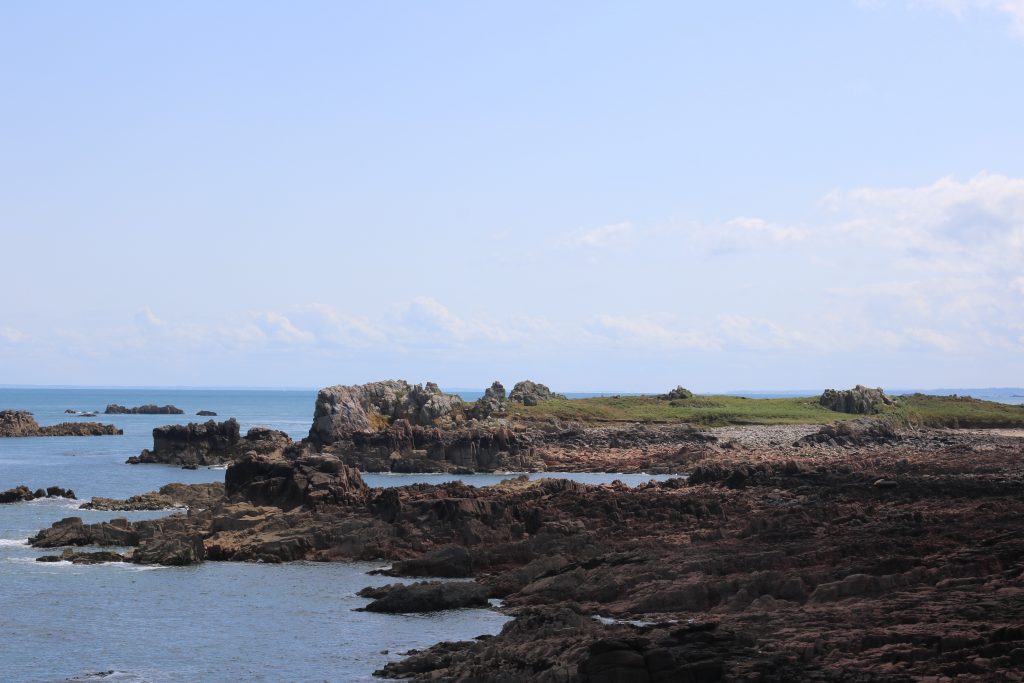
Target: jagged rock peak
column 493, row 401
column 341, row 409
column 531, row 393
column 858, row 401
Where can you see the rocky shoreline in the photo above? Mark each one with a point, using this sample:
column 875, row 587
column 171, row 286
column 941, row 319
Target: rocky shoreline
column 861, row 550
column 874, row 561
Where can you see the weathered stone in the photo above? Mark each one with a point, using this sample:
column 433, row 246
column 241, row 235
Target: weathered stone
column 209, row 443
column 860, row 400
column 21, row 423
column 531, row 393
column 425, row 596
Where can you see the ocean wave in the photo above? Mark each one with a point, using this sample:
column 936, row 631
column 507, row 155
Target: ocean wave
column 10, row 542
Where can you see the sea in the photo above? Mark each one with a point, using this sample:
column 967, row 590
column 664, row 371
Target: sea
column 218, row 621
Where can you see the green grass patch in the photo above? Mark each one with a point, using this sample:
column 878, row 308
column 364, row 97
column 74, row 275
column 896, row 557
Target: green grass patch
column 715, row 411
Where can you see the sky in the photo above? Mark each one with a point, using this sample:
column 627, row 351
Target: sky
column 615, row 196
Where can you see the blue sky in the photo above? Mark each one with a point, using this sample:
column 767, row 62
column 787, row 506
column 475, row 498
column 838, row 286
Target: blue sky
column 621, row 196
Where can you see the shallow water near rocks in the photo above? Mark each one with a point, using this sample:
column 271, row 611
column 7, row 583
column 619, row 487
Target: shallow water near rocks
column 217, row 621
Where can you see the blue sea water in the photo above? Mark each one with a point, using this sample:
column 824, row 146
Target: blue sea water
column 214, row 622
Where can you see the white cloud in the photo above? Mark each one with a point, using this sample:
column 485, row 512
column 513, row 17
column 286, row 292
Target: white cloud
column 428, row 320
column 279, row 328
column 599, row 238
column 758, row 228
column 645, row 332
column 11, row 335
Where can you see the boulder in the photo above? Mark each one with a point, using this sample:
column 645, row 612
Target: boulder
column 425, row 596
column 531, row 393
column 858, row 401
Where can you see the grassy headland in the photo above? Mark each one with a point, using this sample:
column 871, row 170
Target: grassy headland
column 715, row 411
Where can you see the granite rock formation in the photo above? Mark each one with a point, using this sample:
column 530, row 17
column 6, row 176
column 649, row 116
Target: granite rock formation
column 859, row 401
column 209, row 443
column 531, row 393
column 493, row 402
column 680, row 392
column 342, row 410
column 22, row 423
column 399, row 427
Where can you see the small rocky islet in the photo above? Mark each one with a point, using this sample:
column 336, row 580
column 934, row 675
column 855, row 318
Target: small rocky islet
column 21, row 423
column 867, row 548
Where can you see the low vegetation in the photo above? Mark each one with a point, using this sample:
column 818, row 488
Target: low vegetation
column 712, row 411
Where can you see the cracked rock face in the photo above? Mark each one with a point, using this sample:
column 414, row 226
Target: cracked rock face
column 858, row 401
column 342, row 410
column 531, row 393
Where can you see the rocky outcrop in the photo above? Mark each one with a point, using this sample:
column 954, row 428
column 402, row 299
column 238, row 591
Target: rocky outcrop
column 531, row 393
column 450, row 561
column 23, row 493
column 148, row 409
column 171, row 496
column 342, row 410
column 859, row 401
column 74, row 557
column 887, row 562
column 680, row 392
column 425, row 596
column 493, row 402
column 22, row 423
column 206, row 413
column 209, row 443
column 310, row 481
column 398, row 427
column 855, row 433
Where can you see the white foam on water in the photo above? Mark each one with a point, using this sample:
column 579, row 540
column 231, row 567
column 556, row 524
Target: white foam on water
column 11, row 542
